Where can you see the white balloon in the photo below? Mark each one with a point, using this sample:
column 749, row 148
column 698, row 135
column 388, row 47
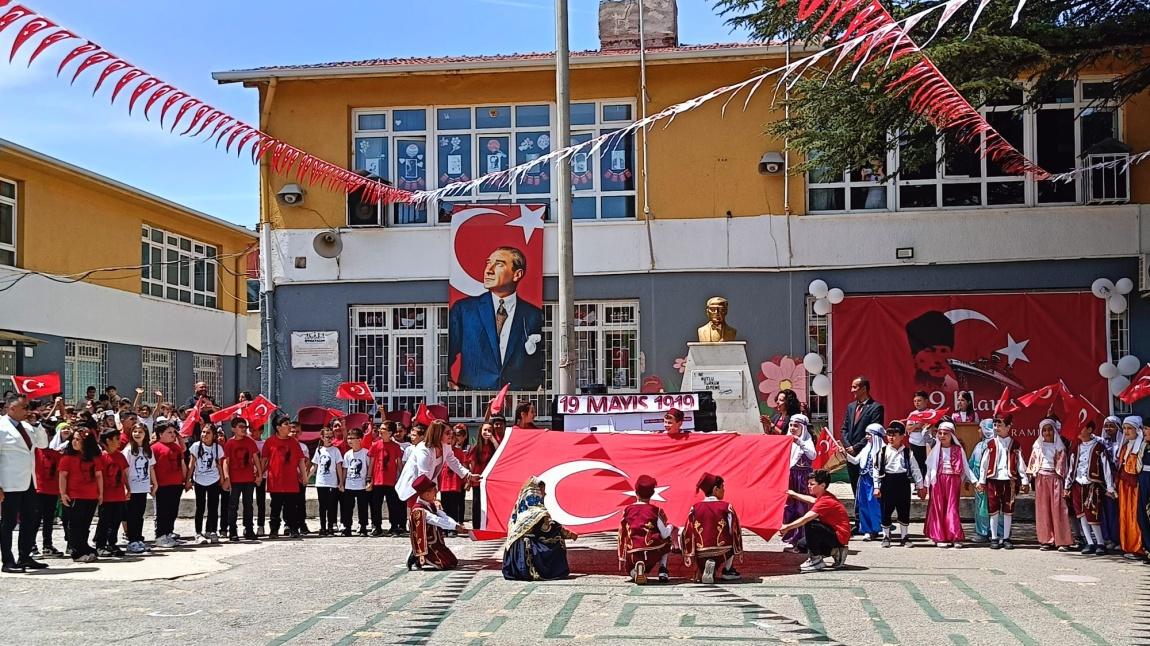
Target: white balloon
column 821, row 384
column 1102, row 288
column 1118, row 384
column 813, row 363
column 1129, row 365
column 1117, row 303
column 1124, row 286
column 835, row 295
column 818, row 288
column 1108, row 370
column 822, row 307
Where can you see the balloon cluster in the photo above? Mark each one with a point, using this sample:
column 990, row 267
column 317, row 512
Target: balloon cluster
column 1119, row 374
column 825, row 297
column 1113, row 292
column 814, row 364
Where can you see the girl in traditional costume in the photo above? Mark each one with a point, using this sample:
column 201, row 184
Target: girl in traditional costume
column 1047, row 470
column 802, row 453
column 1142, row 513
column 981, row 512
column 1130, row 460
column 946, row 470
column 867, row 505
column 1111, row 440
column 535, row 549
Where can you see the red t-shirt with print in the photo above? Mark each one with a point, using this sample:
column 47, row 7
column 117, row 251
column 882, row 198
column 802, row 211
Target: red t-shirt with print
column 82, row 477
column 48, row 472
column 385, row 458
column 282, row 457
column 241, row 456
column 831, row 511
column 169, row 463
column 115, row 468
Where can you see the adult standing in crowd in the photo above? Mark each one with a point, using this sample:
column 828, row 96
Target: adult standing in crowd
column 861, row 413
column 17, row 497
column 201, row 393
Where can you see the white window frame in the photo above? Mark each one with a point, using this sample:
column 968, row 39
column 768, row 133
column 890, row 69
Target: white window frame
column 158, row 372
column 209, row 368
column 374, row 320
column 93, row 355
column 1118, row 336
column 12, row 202
column 1029, row 148
column 819, row 407
column 172, row 254
column 512, row 194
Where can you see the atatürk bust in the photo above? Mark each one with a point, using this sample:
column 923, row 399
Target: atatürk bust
column 716, row 328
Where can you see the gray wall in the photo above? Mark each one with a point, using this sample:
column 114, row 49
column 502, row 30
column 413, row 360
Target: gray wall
column 768, row 308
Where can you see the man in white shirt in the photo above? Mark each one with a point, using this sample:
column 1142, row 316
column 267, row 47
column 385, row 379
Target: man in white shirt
column 18, row 442
column 1001, row 475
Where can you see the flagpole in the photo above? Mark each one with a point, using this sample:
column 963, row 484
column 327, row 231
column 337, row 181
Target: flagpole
column 567, row 350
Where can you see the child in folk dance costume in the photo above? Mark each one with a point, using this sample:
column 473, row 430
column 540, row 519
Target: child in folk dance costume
column 867, row 505
column 945, row 472
column 1130, row 458
column 1111, row 441
column 802, row 454
column 896, row 470
column 1047, row 469
column 711, row 535
column 1088, row 483
column 1135, row 422
column 1002, row 475
column 428, row 524
column 981, row 512
column 644, row 535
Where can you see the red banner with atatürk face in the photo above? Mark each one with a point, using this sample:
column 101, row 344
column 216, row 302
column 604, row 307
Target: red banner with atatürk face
column 976, row 343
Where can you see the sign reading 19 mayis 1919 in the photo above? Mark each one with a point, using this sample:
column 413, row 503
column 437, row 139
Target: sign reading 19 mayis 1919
column 597, row 404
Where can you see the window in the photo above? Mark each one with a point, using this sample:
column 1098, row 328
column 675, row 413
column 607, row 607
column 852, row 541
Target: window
column 401, row 351
column 253, row 294
column 427, row 148
column 1119, row 347
column 85, row 364
column 1055, row 135
column 157, row 372
column 818, row 341
column 206, row 368
column 7, row 223
column 177, row 268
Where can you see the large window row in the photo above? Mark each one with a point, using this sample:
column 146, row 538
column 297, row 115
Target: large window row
column 177, row 268
column 427, row 148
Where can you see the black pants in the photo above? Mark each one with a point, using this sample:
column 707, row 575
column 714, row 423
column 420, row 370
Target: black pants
column 134, row 517
column 111, row 514
column 351, row 499
column 895, row 498
column 47, row 503
column 207, row 498
column 283, row 505
column 299, row 508
column 167, row 508
column 18, row 507
column 328, row 506
column 453, row 504
column 225, row 505
column 820, row 538
column 396, row 509
column 919, row 453
column 476, row 507
column 853, row 474
column 79, row 525
column 241, row 491
column 261, row 502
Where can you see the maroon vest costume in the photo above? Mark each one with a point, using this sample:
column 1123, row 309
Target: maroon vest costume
column 707, row 533
column 639, row 537
column 427, row 539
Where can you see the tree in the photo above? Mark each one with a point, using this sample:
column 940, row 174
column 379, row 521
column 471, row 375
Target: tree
column 844, row 123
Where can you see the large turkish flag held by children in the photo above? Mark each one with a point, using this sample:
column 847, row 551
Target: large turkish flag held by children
column 590, row 477
column 981, row 343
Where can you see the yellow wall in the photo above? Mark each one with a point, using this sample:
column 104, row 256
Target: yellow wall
column 68, row 223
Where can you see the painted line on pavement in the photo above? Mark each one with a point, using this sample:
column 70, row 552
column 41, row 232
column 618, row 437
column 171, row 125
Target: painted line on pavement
column 306, row 624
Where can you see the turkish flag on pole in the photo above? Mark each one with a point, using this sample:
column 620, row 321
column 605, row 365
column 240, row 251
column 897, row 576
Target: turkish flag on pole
column 826, row 448
column 193, row 418
column 497, row 403
column 235, row 410
column 38, row 385
column 1075, row 411
column 259, row 411
column 1005, row 405
column 423, row 415
column 590, row 477
column 928, row 416
column 1139, row 386
column 356, row 390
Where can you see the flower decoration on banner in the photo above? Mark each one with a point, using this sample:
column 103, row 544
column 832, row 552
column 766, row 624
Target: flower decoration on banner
column 1113, row 292
column 825, row 297
column 681, row 365
column 782, row 373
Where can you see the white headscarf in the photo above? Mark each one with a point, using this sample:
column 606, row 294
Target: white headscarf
column 932, row 468
column 1135, row 422
column 1043, row 449
column 805, row 444
column 987, row 428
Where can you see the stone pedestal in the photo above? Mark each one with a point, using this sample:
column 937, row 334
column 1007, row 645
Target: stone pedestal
column 722, row 368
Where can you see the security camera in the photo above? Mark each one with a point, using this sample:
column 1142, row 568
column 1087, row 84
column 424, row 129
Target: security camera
column 291, row 195
column 771, row 164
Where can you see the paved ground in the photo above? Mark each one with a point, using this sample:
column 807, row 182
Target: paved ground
column 355, row 590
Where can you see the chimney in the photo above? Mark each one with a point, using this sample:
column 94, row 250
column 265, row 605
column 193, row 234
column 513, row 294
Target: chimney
column 619, row 24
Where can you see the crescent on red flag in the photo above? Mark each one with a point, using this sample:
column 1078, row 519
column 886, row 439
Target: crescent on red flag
column 1139, row 387
column 354, row 390
column 37, row 385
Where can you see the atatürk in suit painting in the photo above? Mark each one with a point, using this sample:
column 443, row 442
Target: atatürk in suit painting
column 497, row 336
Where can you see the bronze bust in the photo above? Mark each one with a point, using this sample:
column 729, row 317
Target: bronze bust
column 716, row 328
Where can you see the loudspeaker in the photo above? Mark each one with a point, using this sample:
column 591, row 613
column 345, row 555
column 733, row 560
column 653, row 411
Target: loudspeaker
column 327, row 244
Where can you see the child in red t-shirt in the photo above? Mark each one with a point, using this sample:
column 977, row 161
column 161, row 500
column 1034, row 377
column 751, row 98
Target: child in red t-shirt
column 81, row 489
column 115, row 468
column 285, row 469
column 242, row 465
column 47, row 497
column 828, row 528
column 451, row 490
column 171, row 472
column 386, row 457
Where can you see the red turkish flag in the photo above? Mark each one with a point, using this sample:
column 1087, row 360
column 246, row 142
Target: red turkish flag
column 1075, row 411
column 497, row 403
column 423, row 415
column 191, row 420
column 235, row 410
column 825, row 449
column 1043, row 398
column 1139, row 386
column 38, row 385
column 928, row 416
column 1005, row 405
column 590, row 477
column 356, row 390
column 259, row 411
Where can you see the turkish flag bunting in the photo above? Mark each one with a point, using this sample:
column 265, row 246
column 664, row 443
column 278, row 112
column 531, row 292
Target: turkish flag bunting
column 928, row 416
column 356, row 390
column 497, row 403
column 423, row 416
column 590, row 477
column 235, row 410
column 825, row 449
column 38, row 385
column 1139, row 386
column 259, row 411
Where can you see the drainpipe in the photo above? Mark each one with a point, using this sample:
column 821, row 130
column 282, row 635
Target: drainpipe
column 268, row 381
column 643, row 98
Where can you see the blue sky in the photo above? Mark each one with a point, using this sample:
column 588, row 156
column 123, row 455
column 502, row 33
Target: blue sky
column 183, row 43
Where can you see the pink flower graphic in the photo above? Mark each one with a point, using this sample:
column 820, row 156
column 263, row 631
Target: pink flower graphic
column 781, row 373
column 681, row 364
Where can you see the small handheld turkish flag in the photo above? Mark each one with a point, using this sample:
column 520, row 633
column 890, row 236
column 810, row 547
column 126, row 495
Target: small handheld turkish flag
column 235, row 410
column 38, row 385
column 423, row 416
column 928, row 416
column 1006, row 405
column 191, row 421
column 497, row 403
column 259, row 411
column 354, row 390
column 826, row 449
column 1139, row 386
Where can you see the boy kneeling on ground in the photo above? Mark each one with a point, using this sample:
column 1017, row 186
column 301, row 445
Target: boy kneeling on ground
column 827, row 526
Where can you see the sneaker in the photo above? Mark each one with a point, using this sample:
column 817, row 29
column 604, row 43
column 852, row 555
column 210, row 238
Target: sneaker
column 363, row 531
column 639, row 573
column 145, row 546
column 1089, row 549
column 52, row 552
column 979, row 538
column 260, row 531
column 664, row 576
column 303, row 530
column 176, row 536
column 135, row 547
column 346, row 532
column 377, row 532
column 730, row 574
column 1045, row 547
column 234, row 538
column 867, row 538
column 166, row 542
column 709, row 572
column 1007, row 545
column 249, row 535
column 941, row 544
column 105, row 552
column 813, row 564
column 997, row 545
column 88, row 557
column 118, row 553
column 1100, row 551
column 905, row 542
column 201, row 540
column 886, row 542
column 35, row 551
column 956, row 546
column 1063, row 548
column 839, row 556
column 273, row 535
column 214, row 538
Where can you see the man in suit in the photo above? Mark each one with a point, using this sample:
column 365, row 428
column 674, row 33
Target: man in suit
column 862, row 412
column 18, row 442
column 498, row 336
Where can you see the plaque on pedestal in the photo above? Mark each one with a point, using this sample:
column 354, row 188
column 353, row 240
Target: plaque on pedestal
column 722, row 369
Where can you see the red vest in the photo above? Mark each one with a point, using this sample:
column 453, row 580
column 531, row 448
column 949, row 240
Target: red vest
column 640, row 527
column 712, row 528
column 1011, row 462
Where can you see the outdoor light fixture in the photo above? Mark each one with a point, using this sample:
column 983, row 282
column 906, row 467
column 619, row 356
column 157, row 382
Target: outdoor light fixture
column 771, row 164
column 904, row 253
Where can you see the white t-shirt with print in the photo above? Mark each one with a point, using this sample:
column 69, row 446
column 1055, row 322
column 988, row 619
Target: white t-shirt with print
column 206, row 463
column 139, row 470
column 356, row 470
column 325, row 460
